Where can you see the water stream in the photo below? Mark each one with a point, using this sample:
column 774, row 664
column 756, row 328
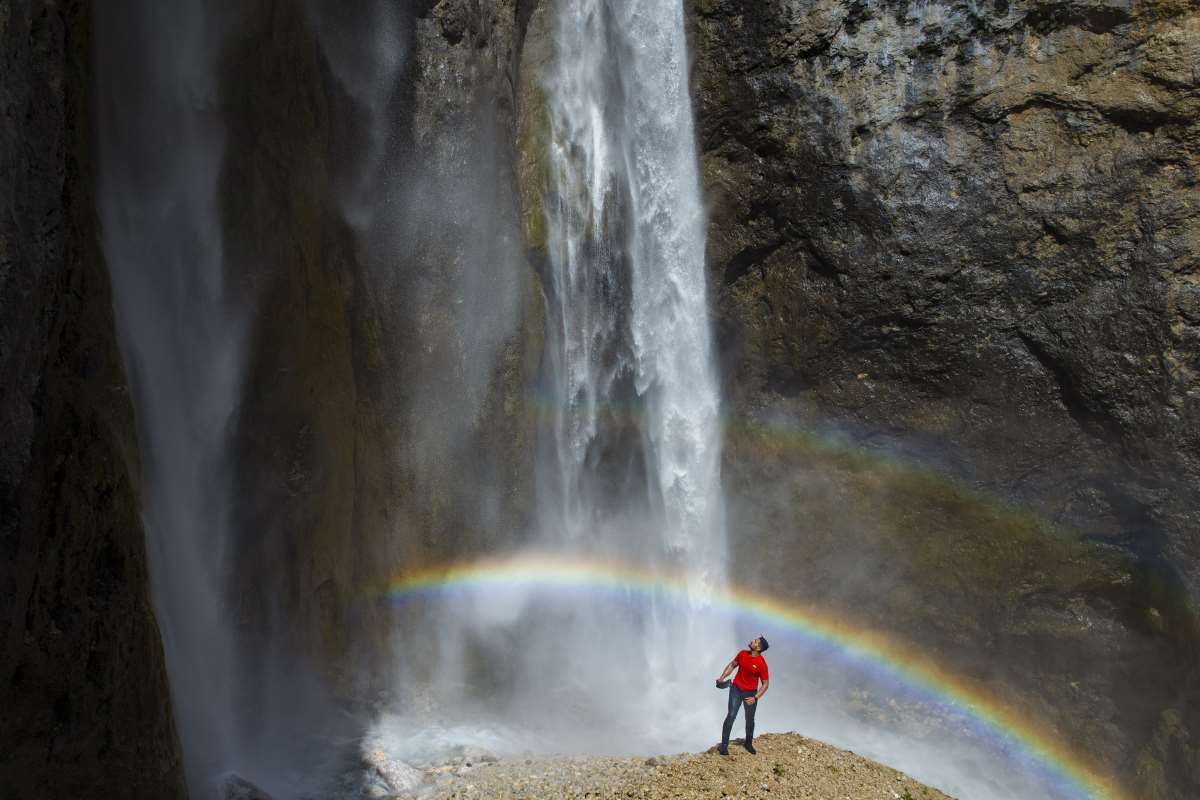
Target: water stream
column 630, row 454
column 636, row 398
column 161, row 147
column 636, row 413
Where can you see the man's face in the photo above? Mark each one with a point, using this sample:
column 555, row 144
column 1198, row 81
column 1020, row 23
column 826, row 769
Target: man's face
column 756, row 644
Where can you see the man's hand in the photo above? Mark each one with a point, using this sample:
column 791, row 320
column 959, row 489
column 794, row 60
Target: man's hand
column 750, row 700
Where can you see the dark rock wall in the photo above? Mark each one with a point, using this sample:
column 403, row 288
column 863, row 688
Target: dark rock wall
column 86, row 710
column 370, row 218
column 289, row 253
column 962, row 237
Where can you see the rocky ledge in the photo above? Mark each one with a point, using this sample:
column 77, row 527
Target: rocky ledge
column 787, row 765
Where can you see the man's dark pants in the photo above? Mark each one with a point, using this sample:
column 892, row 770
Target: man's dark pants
column 736, row 698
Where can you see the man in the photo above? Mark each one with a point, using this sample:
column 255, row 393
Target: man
column 751, row 668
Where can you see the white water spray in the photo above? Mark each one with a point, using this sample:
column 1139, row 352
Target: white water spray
column 161, row 148
column 637, row 433
column 183, row 328
column 630, row 458
column 626, row 242
column 634, row 450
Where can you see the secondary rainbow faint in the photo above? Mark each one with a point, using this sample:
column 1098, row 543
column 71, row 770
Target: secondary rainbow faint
column 895, row 658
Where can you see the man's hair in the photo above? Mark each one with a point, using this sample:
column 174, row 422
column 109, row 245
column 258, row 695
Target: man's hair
column 763, row 641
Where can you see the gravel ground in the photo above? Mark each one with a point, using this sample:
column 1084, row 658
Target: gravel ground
column 787, row 766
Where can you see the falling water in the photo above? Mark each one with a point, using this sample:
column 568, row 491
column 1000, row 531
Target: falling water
column 635, row 451
column 161, row 144
column 636, row 428
column 183, row 326
column 629, row 459
column 633, row 367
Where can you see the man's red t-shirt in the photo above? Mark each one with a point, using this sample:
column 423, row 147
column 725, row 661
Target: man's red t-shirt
column 751, row 669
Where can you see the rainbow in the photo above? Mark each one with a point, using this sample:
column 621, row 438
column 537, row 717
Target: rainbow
column 894, row 658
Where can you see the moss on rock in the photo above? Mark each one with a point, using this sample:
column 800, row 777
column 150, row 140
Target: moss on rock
column 535, row 133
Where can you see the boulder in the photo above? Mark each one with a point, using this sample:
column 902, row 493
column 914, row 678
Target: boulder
column 235, row 787
column 470, row 755
column 398, row 776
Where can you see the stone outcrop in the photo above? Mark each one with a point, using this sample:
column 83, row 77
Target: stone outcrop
column 86, row 709
column 787, row 767
column 954, row 255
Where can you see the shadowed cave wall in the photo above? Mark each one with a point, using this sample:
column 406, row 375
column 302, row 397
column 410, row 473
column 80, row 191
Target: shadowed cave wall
column 82, row 680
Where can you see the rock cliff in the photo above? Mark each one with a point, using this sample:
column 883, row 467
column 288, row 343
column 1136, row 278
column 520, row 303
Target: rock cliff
column 953, row 258
column 82, row 680
column 370, row 212
column 954, row 255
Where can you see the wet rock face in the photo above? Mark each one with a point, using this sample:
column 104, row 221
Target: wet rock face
column 965, row 235
column 84, row 693
column 368, row 210
column 970, row 229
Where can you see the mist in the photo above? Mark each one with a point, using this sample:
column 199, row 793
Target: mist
column 181, row 332
column 352, row 362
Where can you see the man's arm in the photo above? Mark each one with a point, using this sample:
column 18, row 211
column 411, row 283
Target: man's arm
column 761, row 691
column 728, row 669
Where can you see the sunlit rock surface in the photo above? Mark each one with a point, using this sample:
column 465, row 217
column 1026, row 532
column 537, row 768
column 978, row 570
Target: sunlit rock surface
column 955, row 251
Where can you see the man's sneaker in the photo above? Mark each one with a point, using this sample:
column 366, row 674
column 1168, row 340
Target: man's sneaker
column 722, row 749
column 750, row 748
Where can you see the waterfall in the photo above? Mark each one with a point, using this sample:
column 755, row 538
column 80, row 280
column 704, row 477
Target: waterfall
column 634, row 444
column 161, row 146
column 629, row 452
column 634, row 459
column 629, row 317
column 597, row 627
column 243, row 701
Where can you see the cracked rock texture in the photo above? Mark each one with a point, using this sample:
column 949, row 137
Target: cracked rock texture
column 966, row 237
